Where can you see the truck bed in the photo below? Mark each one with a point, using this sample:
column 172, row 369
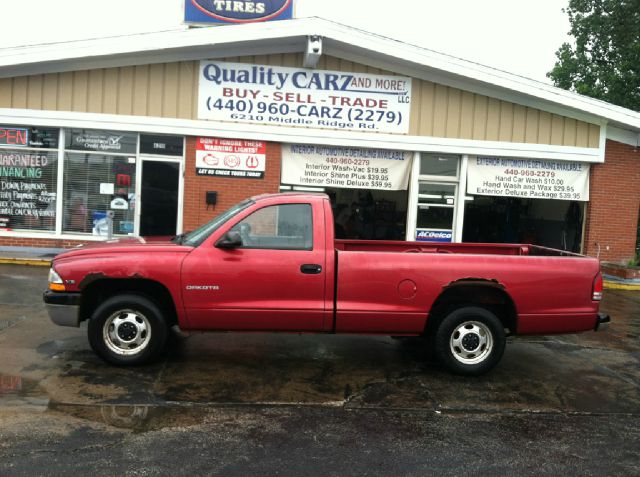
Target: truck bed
column 457, row 248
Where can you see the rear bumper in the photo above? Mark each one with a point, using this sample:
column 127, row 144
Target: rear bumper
column 63, row 308
column 602, row 322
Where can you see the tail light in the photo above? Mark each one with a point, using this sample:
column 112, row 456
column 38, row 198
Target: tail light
column 598, row 286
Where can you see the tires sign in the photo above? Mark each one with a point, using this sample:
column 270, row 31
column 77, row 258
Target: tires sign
column 236, row 11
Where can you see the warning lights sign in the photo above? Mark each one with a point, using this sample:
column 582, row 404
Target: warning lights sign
column 230, row 158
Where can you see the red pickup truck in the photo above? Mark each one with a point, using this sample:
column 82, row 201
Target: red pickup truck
column 272, row 263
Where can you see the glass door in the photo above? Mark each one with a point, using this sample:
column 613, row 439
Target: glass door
column 159, row 195
column 436, row 211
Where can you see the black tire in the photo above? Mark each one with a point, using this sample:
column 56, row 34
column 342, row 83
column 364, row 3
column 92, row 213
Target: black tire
column 469, row 341
column 136, row 333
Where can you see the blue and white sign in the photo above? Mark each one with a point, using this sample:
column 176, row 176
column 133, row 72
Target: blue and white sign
column 236, row 11
column 348, row 167
column 277, row 95
column 528, row 178
column 434, row 235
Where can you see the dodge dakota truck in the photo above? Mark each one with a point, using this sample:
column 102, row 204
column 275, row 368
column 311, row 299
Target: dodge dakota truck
column 272, row 263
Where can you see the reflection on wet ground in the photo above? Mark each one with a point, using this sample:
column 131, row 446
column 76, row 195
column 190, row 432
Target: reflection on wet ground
column 53, row 369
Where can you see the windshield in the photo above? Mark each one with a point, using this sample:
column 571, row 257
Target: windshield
column 197, row 236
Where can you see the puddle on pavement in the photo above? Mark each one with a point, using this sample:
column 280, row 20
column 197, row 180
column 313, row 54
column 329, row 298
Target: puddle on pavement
column 350, row 372
column 18, row 390
column 589, row 372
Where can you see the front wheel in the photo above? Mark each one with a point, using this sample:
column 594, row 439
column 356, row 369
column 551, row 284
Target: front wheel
column 470, row 341
column 127, row 330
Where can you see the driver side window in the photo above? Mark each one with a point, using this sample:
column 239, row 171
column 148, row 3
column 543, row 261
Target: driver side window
column 279, row 227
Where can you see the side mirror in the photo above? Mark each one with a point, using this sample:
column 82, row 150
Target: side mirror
column 231, row 239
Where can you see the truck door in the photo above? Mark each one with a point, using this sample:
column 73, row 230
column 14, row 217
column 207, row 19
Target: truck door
column 275, row 280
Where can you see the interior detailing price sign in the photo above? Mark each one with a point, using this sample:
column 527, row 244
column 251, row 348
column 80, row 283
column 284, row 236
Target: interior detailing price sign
column 277, row 95
column 329, row 166
column 528, row 178
column 230, row 158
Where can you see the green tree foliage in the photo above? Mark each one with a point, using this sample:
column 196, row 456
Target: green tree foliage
column 605, row 61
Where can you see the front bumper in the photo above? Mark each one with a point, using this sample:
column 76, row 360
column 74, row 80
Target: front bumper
column 602, row 322
column 63, row 308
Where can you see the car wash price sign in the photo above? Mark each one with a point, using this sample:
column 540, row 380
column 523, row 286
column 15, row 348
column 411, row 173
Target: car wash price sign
column 528, row 178
column 346, row 167
column 234, row 158
column 301, row 97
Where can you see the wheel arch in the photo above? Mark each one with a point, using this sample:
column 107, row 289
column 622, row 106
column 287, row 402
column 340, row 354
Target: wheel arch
column 100, row 290
column 480, row 292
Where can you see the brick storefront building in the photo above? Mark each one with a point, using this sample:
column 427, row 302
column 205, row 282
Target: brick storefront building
column 408, row 143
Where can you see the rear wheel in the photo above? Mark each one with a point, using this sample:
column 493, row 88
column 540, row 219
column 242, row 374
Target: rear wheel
column 470, row 340
column 127, row 330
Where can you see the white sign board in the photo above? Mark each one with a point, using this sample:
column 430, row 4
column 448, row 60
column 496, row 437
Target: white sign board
column 277, row 95
column 235, row 158
column 106, row 188
column 528, row 178
column 346, row 167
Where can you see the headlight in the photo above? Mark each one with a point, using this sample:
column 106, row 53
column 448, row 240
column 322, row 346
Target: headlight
column 55, row 282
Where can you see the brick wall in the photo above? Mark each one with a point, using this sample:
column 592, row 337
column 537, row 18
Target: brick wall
column 230, row 190
column 612, row 213
column 38, row 242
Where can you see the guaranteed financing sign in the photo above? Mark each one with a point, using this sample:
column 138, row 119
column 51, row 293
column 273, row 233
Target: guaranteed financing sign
column 230, row 158
column 301, row 97
column 528, row 178
column 357, row 168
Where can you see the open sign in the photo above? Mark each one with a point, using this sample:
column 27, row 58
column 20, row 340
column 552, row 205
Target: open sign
column 14, row 137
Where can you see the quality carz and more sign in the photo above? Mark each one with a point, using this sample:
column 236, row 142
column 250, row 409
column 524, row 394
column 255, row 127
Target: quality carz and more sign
column 276, row 95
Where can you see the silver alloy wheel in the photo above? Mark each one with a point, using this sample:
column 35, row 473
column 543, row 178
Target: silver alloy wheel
column 471, row 342
column 126, row 332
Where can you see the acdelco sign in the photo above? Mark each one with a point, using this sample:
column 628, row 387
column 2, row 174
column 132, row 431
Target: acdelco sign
column 236, row 11
column 426, row 235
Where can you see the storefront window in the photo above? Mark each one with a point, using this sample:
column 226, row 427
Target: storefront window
column 551, row 223
column 94, row 184
column 28, row 178
column 369, row 214
column 438, row 165
column 436, row 204
column 368, row 188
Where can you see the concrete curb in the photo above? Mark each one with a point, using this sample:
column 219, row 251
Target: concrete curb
column 621, row 286
column 34, row 262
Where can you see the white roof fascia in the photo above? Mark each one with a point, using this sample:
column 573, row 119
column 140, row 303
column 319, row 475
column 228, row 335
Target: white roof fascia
column 631, row 138
column 465, row 84
column 484, row 75
column 178, row 45
column 291, row 35
column 296, row 135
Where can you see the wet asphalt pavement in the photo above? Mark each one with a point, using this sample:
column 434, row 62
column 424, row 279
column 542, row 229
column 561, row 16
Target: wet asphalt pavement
column 269, row 404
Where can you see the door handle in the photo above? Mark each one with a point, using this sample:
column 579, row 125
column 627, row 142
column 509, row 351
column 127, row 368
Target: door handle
column 311, row 268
